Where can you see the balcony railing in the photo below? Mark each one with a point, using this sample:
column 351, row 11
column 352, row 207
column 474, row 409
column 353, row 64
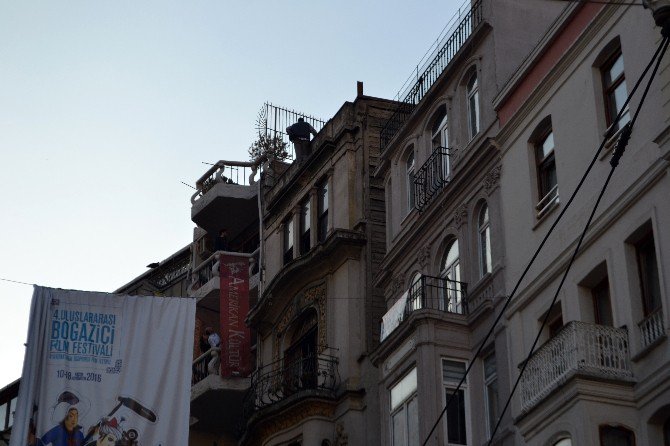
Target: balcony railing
column 431, row 178
column 206, row 364
column 279, row 380
column 209, row 269
column 651, row 328
column 432, row 293
column 588, row 349
column 445, row 51
column 226, row 172
column 546, row 203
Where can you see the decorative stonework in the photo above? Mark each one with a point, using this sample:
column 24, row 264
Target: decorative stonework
column 423, row 255
column 341, row 437
column 492, row 179
column 397, row 284
column 460, row 215
column 314, row 297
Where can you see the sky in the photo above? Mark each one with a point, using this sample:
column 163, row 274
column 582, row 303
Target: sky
column 107, row 106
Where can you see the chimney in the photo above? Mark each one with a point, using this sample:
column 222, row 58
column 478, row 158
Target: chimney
column 359, row 89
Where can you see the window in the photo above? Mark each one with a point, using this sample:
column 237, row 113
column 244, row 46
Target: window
column 405, row 411
column 440, row 139
column 416, row 293
column 616, row 436
column 484, row 232
column 451, row 275
column 563, row 442
column 602, row 307
column 410, row 181
column 648, row 273
column 473, row 105
column 452, row 373
column 288, row 240
column 322, row 211
column 546, row 172
column 614, row 89
column 491, row 393
column 305, row 226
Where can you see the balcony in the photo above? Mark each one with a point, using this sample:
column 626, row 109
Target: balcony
column 651, row 328
column 215, row 400
column 414, row 90
column 311, row 375
column 580, row 348
column 427, row 293
column 431, row 178
column 226, row 197
column 205, row 282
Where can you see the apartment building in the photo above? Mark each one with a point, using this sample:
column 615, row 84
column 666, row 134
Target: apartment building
column 600, row 375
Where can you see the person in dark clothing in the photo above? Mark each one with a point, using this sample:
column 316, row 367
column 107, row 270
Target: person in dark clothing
column 222, row 243
column 298, row 134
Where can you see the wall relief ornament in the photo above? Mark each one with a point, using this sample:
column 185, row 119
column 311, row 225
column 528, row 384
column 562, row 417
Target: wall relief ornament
column 314, row 297
column 460, row 215
column 423, row 255
column 492, row 179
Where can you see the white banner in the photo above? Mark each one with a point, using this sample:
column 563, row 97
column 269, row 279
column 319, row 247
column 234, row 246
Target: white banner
column 105, row 369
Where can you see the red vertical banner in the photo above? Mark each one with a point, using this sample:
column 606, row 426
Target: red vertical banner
column 235, row 335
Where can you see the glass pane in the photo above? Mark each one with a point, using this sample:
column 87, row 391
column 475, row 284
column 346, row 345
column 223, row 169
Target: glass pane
column 452, row 371
column 619, row 98
column 305, row 216
column 489, row 367
column 403, row 389
column 563, row 442
column 399, row 436
column 456, row 418
column 451, row 257
column 615, row 71
column 616, row 436
column 492, row 404
column 3, row 416
column 12, row 409
column 413, row 423
column 546, row 147
column 323, row 198
column 649, row 279
column 288, row 235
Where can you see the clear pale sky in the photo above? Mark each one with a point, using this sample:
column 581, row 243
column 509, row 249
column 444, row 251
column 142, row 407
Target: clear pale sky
column 105, row 106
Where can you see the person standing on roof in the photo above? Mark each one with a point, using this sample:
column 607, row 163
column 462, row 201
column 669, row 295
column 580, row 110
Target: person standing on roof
column 298, row 134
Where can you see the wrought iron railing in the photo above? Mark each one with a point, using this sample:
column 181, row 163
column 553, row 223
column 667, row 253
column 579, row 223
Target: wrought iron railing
column 205, row 365
column 579, row 347
column 279, row 380
column 431, row 178
column 240, row 173
column 437, row 293
column 273, row 120
column 651, row 328
column 170, row 271
column 431, row 71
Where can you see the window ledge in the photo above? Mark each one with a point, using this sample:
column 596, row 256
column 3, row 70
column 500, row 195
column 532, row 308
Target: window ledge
column 548, row 210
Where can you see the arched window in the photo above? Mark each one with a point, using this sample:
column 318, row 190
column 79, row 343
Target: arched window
column 563, row 442
column 450, row 272
column 410, row 180
column 542, row 141
column 473, row 105
column 300, row 359
column 484, row 236
column 616, row 436
column 439, row 137
column 416, row 293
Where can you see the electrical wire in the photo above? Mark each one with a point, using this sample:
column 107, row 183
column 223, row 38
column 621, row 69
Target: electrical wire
column 608, row 134
column 17, row 281
column 618, row 151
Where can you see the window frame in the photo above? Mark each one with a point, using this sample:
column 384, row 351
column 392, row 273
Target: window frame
column 287, row 242
column 322, row 208
column 452, row 299
column 647, row 289
column 305, row 225
column 609, row 89
column 484, row 240
column 403, row 406
column 410, row 171
column 490, row 380
column 472, row 96
column 448, row 387
column 545, row 168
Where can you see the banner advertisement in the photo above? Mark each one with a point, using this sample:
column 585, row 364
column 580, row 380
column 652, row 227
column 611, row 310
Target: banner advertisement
column 105, row 369
column 235, row 335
